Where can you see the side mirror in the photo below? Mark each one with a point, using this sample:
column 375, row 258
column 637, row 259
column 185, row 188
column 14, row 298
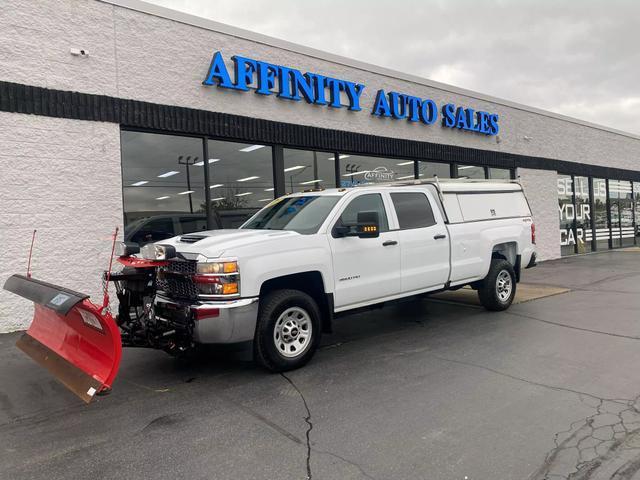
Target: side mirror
column 368, row 225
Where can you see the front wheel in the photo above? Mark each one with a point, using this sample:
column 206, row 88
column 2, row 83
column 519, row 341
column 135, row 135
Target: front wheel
column 288, row 330
column 498, row 289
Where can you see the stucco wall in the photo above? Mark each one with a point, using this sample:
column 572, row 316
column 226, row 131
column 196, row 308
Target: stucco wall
column 36, row 38
column 61, row 177
column 146, row 57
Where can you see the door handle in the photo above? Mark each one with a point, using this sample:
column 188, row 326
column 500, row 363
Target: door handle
column 439, row 236
column 388, row 243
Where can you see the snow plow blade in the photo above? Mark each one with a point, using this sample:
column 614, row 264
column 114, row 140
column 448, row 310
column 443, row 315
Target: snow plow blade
column 70, row 336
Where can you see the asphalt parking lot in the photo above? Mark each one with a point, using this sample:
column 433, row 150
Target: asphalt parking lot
column 427, row 389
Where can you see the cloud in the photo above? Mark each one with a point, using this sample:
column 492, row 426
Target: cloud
column 578, row 58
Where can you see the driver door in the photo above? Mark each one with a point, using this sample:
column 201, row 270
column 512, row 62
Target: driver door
column 366, row 270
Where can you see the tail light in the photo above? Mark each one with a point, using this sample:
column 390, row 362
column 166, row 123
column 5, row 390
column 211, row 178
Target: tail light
column 533, row 233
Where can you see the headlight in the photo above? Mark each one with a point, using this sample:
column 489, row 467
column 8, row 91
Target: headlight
column 218, row 278
column 126, row 249
column 152, row 251
column 218, row 267
column 217, row 285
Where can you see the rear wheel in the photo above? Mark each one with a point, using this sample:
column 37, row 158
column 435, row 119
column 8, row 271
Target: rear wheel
column 288, row 330
column 498, row 289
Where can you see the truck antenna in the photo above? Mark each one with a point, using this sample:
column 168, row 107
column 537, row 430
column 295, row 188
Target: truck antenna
column 105, row 298
column 33, row 239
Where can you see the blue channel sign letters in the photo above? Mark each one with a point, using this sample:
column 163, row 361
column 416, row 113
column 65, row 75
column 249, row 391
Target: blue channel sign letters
column 316, row 89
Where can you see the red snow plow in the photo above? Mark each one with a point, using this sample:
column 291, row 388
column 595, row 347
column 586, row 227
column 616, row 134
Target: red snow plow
column 80, row 342
column 76, row 340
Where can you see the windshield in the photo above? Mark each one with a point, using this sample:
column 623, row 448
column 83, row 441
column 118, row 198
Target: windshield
column 302, row 214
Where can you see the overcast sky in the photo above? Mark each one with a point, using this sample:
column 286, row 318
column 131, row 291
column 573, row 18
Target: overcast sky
column 579, row 58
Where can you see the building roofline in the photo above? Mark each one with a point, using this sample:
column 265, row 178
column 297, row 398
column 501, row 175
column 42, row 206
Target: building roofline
column 204, row 23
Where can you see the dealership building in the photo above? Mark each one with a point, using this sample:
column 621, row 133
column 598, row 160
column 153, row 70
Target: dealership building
column 121, row 113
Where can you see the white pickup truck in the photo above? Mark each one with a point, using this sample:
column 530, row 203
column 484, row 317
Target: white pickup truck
column 282, row 276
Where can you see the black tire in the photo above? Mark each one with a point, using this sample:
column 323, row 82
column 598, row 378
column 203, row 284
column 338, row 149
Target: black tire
column 276, row 355
column 492, row 296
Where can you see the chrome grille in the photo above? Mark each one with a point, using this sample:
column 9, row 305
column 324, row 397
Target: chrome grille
column 175, row 279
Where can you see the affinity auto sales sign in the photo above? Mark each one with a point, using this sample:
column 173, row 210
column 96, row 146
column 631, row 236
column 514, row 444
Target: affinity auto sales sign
column 291, row 84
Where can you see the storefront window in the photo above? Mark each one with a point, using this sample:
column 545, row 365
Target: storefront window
column 627, row 223
column 499, row 173
column 614, row 213
column 161, row 180
column 356, row 170
column 431, row 169
column 241, row 180
column 566, row 210
column 306, row 170
column 621, row 204
column 600, row 213
column 470, row 171
column 636, row 203
column 582, row 214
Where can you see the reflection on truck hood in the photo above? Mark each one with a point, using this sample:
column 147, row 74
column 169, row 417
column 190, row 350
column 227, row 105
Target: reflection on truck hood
column 214, row 243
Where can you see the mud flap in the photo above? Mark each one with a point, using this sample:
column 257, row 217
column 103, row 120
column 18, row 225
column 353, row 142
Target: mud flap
column 70, row 336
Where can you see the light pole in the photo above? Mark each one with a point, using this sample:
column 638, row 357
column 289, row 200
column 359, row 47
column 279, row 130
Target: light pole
column 188, row 161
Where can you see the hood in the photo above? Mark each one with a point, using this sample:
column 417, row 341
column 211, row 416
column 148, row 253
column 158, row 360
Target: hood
column 214, row 243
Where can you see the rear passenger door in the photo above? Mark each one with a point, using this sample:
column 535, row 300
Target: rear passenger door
column 423, row 241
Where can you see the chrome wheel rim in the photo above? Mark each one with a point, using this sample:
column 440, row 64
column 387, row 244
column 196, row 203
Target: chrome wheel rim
column 292, row 332
column 504, row 286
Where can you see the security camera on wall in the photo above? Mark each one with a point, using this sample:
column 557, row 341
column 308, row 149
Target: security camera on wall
column 77, row 52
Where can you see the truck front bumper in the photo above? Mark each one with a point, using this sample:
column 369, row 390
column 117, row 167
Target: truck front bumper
column 225, row 321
